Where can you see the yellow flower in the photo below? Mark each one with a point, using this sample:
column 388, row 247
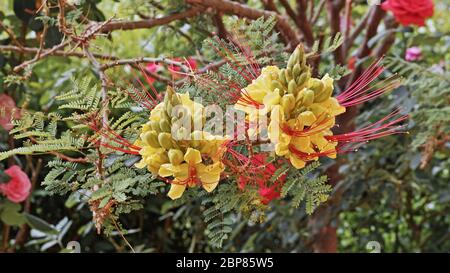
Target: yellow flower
column 191, row 172
column 184, row 156
column 301, row 110
column 259, row 89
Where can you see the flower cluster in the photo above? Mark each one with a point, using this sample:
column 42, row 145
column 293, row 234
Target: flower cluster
column 302, row 110
column 169, row 148
column 176, row 146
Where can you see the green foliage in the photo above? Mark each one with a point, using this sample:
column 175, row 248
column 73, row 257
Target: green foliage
column 42, row 130
column 313, row 191
column 432, row 90
column 329, row 45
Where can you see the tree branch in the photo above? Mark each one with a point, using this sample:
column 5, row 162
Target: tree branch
column 34, row 50
column 241, row 10
column 149, row 23
column 334, row 8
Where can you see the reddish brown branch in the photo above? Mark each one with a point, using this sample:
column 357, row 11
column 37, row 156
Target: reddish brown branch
column 149, row 23
column 221, row 30
column 245, row 11
column 334, row 9
column 303, row 22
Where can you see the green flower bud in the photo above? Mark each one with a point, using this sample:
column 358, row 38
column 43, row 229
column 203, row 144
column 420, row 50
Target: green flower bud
column 297, row 71
column 288, row 102
column 282, row 77
column 164, row 124
column 276, row 84
column 296, row 56
column 175, row 156
column 288, row 74
column 303, row 79
column 327, row 90
column 292, row 87
column 165, row 140
column 316, row 85
column 155, row 126
column 169, row 108
column 175, row 100
column 324, row 95
column 166, row 98
column 151, row 138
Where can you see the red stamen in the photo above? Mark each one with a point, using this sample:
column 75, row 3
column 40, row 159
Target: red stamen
column 381, row 128
column 360, row 91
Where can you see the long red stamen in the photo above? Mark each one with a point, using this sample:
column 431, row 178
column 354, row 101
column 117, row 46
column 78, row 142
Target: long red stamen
column 360, row 90
column 309, row 156
column 381, row 128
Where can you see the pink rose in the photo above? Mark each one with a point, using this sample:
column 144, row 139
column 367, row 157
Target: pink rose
column 413, row 54
column 18, row 188
column 410, row 12
column 7, row 107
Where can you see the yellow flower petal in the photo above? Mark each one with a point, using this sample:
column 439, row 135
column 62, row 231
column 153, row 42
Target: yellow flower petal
column 296, row 162
column 192, row 156
column 319, row 141
column 333, row 106
column 302, row 144
column 176, row 190
column 209, row 187
column 272, row 98
column 166, row 170
column 308, row 118
column 141, row 164
column 281, row 149
column 209, row 175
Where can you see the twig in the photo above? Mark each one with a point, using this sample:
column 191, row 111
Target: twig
column 270, row 5
column 300, row 19
column 210, row 66
column 11, row 35
column 42, row 55
column 305, row 26
column 5, row 237
column 144, row 60
column 121, row 235
column 149, row 23
column 358, row 29
column 348, row 18
column 389, row 40
column 221, row 30
column 334, row 8
column 310, row 9
column 372, row 25
column 34, row 50
column 319, row 9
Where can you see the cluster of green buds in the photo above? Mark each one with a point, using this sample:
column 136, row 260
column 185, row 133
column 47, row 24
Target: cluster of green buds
column 297, row 89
